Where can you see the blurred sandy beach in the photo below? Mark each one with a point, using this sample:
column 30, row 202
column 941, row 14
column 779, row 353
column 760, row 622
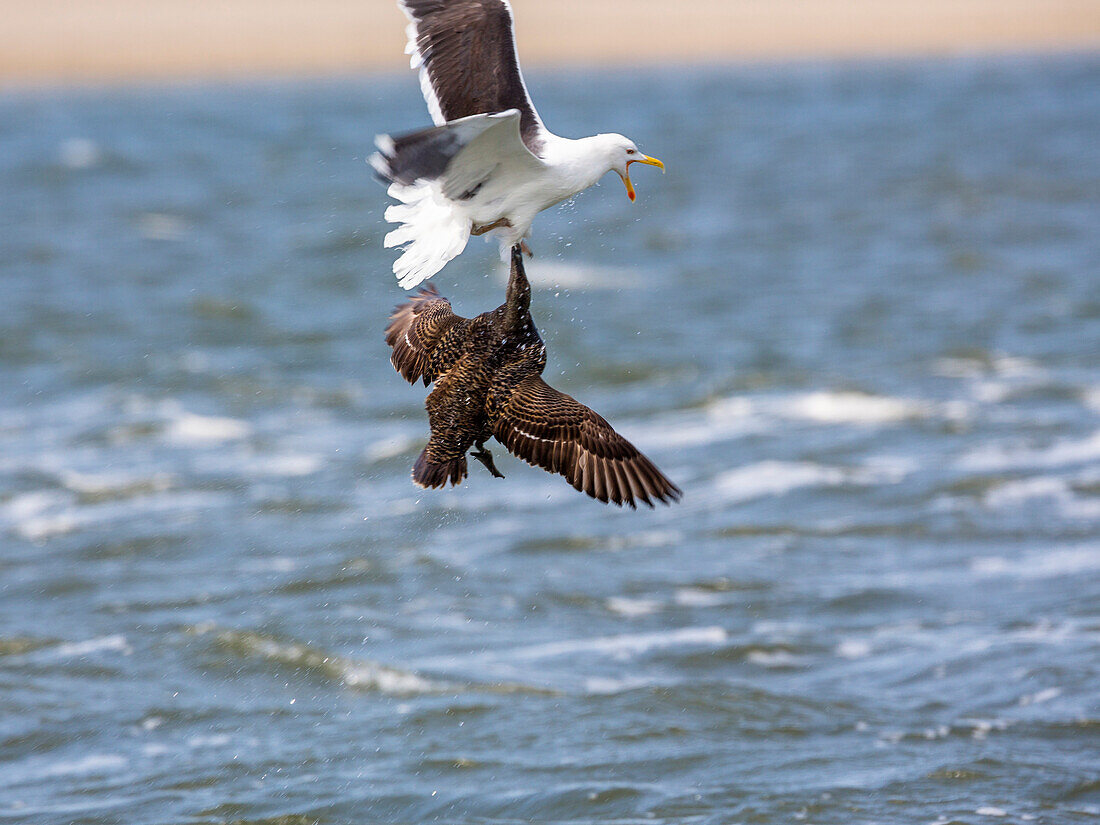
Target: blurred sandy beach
column 64, row 41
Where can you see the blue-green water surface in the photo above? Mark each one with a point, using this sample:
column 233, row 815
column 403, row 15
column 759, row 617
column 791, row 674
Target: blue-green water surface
column 858, row 322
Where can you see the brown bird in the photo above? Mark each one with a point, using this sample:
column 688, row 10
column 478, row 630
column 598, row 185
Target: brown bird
column 487, row 383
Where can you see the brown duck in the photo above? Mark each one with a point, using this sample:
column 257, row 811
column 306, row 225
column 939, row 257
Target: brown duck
column 487, row 383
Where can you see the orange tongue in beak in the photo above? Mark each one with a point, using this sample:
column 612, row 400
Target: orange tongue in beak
column 648, row 161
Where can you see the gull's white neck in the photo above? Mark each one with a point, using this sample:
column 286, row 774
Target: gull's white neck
column 579, row 163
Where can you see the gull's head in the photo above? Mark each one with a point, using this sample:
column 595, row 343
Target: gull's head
column 621, row 153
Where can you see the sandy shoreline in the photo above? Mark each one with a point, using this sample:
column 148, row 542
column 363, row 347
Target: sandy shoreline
column 50, row 42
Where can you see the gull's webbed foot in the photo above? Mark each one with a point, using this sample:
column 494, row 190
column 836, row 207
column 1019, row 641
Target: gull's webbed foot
column 526, row 249
column 486, row 458
column 482, row 228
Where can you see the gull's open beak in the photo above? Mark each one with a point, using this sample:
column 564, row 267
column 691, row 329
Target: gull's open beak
column 648, row 161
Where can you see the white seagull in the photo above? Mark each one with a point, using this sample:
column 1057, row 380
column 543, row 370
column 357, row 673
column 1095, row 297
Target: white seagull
column 489, row 163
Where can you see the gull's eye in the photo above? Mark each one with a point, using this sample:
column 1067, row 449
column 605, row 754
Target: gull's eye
column 631, row 152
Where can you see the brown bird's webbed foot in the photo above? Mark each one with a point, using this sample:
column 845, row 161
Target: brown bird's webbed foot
column 486, row 458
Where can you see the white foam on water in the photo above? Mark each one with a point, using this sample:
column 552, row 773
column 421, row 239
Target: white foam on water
column 785, row 629
column 1038, row 698
column 1055, row 490
column 95, row 763
column 698, row 597
column 669, row 433
column 115, row 484
column 774, row 478
column 386, row 680
column 886, row 469
column 775, row 659
column 732, row 408
column 624, row 646
column 732, row 417
column 361, row 674
column 989, row 810
column 981, row 728
column 44, row 527
column 720, row 421
column 1013, row 493
column 151, row 722
column 371, row 676
column 286, row 465
column 39, row 515
column 991, row 391
column 632, row 608
column 64, row 515
column 837, row 408
column 71, row 650
column 29, row 505
column 600, row 686
column 1045, row 631
column 1052, row 564
column 853, row 649
column 190, row 429
column 1000, row 456
column 850, row 408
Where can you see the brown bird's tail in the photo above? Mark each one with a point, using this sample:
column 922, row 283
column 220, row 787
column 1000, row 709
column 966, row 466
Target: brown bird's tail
column 433, row 476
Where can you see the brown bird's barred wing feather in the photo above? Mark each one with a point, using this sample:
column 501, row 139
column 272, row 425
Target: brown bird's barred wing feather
column 549, row 429
column 415, row 328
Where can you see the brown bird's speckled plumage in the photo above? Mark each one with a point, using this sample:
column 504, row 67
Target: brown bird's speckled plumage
column 487, row 383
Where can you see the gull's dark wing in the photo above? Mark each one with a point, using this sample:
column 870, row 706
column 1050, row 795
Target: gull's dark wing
column 466, row 53
column 549, row 429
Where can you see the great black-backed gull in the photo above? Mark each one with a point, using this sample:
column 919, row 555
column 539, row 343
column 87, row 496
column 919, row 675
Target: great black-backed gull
column 489, row 164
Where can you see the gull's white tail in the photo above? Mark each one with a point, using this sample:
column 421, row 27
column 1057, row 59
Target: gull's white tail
column 431, row 232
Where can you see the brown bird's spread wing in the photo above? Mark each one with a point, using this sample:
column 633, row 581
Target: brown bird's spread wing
column 416, row 327
column 466, row 53
column 549, row 429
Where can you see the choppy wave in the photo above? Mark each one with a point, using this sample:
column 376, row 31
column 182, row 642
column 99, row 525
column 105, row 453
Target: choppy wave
column 41, row 516
column 188, row 428
column 360, row 674
column 622, row 646
column 1069, row 561
column 746, row 415
column 1014, row 455
column 351, row 672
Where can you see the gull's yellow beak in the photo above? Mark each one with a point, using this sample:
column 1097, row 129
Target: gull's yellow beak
column 648, row 161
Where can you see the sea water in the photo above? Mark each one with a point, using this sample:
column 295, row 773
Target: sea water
column 858, row 322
